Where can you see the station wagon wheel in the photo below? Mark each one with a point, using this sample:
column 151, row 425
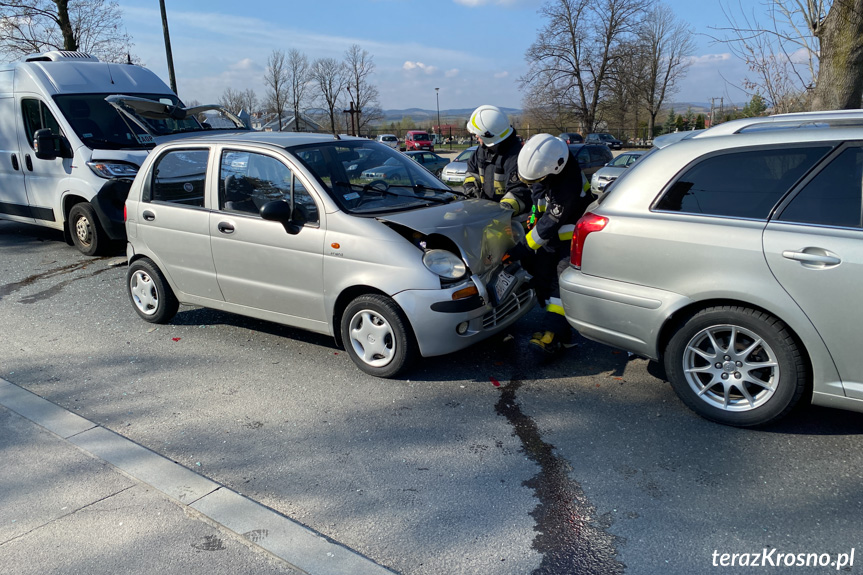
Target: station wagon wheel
column 736, row 366
column 87, row 233
column 150, row 293
column 377, row 336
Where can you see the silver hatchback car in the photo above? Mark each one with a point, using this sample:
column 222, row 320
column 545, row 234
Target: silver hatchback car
column 276, row 226
column 734, row 256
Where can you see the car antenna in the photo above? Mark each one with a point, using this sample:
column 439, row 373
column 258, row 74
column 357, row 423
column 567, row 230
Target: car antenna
column 336, row 136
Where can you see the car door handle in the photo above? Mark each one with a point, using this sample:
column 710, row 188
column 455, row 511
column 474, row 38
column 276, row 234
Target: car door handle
column 811, row 258
column 14, row 162
column 28, row 162
column 226, row 228
column 149, row 216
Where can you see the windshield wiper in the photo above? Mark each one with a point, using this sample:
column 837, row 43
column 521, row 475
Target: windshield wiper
column 446, row 190
column 419, row 187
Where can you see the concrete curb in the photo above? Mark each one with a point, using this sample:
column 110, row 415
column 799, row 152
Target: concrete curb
column 296, row 544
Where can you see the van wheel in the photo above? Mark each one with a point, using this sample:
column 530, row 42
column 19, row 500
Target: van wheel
column 736, row 365
column 377, row 335
column 150, row 293
column 87, row 233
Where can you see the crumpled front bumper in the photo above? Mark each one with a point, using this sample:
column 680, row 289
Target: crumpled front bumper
column 435, row 316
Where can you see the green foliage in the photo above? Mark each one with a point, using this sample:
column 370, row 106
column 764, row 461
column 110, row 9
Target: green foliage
column 756, row 107
column 699, row 122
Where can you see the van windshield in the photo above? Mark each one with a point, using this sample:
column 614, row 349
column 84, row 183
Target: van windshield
column 421, row 137
column 100, row 125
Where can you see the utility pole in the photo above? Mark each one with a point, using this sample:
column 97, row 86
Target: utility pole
column 437, row 97
column 168, row 47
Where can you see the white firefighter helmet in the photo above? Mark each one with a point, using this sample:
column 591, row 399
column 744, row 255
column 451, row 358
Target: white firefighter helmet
column 490, row 124
column 541, row 156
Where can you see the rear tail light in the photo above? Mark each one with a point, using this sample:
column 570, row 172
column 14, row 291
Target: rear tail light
column 588, row 223
column 124, row 213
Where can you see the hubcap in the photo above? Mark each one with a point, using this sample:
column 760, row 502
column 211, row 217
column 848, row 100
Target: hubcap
column 82, row 230
column 372, row 338
column 731, row 368
column 144, row 292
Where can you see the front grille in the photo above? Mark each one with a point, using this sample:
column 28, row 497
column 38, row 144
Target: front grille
column 511, row 305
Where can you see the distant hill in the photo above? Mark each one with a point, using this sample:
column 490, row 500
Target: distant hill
column 446, row 116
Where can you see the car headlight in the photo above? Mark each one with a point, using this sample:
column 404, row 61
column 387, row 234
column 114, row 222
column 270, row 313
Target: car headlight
column 110, row 170
column 445, row 264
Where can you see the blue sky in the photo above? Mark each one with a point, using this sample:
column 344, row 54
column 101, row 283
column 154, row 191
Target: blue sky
column 473, row 50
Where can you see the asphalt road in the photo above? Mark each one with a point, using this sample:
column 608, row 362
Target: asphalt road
column 477, row 462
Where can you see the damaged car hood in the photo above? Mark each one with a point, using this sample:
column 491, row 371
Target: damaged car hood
column 481, row 229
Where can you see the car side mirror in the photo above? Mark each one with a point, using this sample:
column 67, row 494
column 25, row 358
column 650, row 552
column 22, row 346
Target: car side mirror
column 280, row 211
column 49, row 146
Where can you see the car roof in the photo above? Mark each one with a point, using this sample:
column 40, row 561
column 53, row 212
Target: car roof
column 281, row 139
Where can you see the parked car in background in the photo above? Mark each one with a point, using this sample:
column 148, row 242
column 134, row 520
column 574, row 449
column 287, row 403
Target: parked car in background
column 455, row 172
column 604, row 138
column 429, row 160
column 418, row 140
column 571, row 137
column 591, row 157
column 612, row 170
column 273, row 227
column 733, row 256
column 389, row 140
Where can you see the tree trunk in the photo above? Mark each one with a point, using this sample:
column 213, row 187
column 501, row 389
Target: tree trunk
column 840, row 81
column 69, row 42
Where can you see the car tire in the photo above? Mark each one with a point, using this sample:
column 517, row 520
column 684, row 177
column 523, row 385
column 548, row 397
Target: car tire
column 149, row 292
column 86, row 231
column 736, row 366
column 377, row 335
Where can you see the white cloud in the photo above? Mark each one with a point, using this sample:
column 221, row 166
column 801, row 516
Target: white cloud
column 709, row 59
column 419, row 66
column 500, row 75
column 451, row 73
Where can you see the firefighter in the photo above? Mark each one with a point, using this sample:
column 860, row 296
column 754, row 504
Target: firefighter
column 560, row 194
column 492, row 171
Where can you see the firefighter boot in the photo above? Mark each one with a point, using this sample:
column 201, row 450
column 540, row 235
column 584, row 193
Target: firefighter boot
column 545, row 346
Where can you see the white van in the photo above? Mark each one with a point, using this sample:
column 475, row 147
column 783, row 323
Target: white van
column 67, row 156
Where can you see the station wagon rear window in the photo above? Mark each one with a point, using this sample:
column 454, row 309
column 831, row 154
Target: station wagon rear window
column 743, row 184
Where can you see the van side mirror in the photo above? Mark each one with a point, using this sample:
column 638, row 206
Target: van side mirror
column 280, row 211
column 49, row 146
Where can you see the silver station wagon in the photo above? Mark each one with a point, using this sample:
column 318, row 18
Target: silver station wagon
column 285, row 228
column 735, row 256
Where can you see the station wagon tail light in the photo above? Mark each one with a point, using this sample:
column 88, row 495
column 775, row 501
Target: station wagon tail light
column 588, row 223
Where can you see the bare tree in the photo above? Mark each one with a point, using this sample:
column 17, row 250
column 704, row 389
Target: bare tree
column 277, row 82
column 91, row 26
column 298, row 80
column 547, row 108
column 360, row 65
column 576, row 49
column 808, row 55
column 329, row 77
column 667, row 45
column 250, row 100
column 232, row 100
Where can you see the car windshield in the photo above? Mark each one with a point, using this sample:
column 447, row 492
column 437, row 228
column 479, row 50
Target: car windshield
column 366, row 177
column 100, row 125
column 421, row 137
column 624, row 160
column 465, row 156
column 607, row 137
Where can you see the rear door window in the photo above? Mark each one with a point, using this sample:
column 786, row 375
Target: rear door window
column 179, row 177
column 833, row 196
column 741, row 184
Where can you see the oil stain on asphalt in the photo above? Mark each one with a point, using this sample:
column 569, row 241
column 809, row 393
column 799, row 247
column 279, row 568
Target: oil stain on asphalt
column 569, row 537
column 10, row 288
